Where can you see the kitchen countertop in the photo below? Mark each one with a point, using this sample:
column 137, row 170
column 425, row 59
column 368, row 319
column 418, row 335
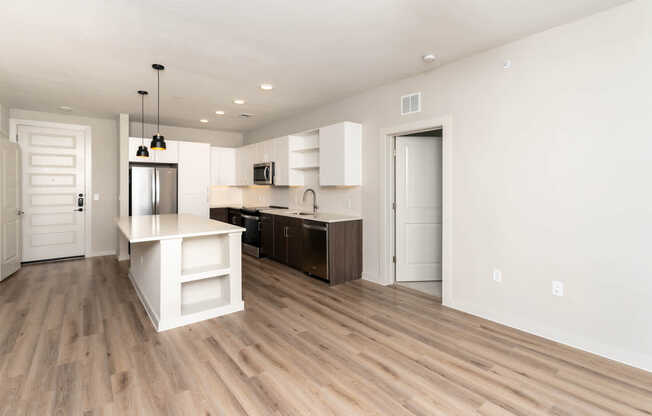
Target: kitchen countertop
column 234, row 206
column 141, row 228
column 321, row 216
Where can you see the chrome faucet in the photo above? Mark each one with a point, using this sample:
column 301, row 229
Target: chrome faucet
column 314, row 199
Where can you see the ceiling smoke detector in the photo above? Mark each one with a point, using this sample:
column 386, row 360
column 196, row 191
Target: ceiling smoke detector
column 429, row 58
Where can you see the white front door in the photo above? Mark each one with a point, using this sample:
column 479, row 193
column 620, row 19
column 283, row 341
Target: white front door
column 53, row 181
column 418, row 209
column 10, row 214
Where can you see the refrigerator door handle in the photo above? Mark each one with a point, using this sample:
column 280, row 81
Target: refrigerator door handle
column 158, row 191
column 154, row 194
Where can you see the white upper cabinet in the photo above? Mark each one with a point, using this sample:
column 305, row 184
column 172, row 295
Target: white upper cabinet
column 223, row 166
column 281, row 161
column 194, row 178
column 245, row 157
column 264, row 151
column 340, row 154
column 169, row 155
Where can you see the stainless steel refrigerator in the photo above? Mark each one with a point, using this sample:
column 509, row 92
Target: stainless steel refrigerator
column 152, row 190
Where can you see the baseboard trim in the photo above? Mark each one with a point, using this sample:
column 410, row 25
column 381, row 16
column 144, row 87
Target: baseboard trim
column 143, row 300
column 375, row 279
column 101, row 253
column 630, row 358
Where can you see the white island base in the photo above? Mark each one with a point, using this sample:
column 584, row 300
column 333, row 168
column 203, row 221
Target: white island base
column 184, row 268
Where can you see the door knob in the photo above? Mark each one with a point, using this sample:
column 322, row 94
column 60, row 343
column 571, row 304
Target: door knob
column 20, row 212
column 78, row 209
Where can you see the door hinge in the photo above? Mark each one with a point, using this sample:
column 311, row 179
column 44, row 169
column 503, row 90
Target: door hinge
column 393, row 259
column 394, row 206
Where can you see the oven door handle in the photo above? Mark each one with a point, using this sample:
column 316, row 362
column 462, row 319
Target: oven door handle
column 250, row 217
column 267, row 174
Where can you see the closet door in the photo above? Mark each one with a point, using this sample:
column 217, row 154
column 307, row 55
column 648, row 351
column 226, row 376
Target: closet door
column 10, row 228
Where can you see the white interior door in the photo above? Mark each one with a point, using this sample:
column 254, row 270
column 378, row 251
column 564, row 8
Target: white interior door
column 10, row 196
column 53, row 180
column 418, row 209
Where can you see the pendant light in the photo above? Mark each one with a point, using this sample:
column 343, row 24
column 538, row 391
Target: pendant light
column 158, row 141
column 142, row 149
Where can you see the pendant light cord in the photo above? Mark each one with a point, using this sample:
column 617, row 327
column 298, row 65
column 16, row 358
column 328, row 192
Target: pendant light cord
column 142, row 119
column 158, row 102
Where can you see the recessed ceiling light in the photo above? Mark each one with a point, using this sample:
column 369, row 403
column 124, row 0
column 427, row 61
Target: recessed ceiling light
column 238, row 101
column 65, row 108
column 428, row 58
column 203, row 120
column 220, row 112
column 266, row 87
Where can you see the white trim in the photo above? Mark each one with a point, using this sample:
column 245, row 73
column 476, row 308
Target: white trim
column 101, row 253
column 143, row 300
column 88, row 167
column 386, row 266
column 573, row 340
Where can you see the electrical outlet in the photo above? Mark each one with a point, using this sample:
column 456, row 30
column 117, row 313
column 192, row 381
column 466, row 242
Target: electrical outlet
column 348, row 203
column 498, row 276
column 557, row 288
column 141, row 259
column 96, row 197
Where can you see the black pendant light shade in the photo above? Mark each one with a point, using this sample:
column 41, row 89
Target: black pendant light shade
column 142, row 149
column 158, row 141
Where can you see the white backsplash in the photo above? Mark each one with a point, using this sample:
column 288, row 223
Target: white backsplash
column 336, row 200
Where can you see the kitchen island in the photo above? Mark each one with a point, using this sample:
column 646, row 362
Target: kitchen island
column 185, row 268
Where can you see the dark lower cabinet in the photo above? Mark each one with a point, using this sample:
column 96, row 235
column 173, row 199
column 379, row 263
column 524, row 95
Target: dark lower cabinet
column 280, row 252
column 300, row 243
column 220, row 214
column 267, row 235
column 288, row 241
column 295, row 243
column 235, row 217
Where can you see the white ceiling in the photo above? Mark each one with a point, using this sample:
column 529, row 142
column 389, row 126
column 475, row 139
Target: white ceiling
column 94, row 55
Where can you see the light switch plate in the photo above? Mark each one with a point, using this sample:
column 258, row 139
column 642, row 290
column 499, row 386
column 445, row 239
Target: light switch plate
column 96, row 197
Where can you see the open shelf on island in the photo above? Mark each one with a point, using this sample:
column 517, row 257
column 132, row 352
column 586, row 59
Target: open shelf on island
column 203, row 306
column 205, row 294
column 189, row 274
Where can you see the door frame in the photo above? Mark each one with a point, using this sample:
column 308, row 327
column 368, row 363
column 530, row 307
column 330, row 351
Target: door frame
column 14, row 123
column 387, row 267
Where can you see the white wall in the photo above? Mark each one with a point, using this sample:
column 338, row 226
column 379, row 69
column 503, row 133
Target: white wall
column 552, row 161
column 4, row 120
column 214, row 137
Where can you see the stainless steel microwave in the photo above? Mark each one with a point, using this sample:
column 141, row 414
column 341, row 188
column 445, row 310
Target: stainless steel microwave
column 264, row 173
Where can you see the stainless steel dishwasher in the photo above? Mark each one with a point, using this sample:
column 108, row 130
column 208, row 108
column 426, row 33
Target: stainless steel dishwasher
column 315, row 250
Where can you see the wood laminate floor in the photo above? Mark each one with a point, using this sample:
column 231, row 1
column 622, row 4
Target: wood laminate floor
column 74, row 340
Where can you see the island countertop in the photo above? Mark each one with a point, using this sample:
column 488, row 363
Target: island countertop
column 141, row 228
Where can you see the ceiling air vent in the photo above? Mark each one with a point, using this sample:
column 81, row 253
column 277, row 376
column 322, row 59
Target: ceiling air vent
column 246, row 115
column 411, row 103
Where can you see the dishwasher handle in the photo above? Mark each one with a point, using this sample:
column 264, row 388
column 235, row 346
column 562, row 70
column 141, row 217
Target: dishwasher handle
column 315, row 227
